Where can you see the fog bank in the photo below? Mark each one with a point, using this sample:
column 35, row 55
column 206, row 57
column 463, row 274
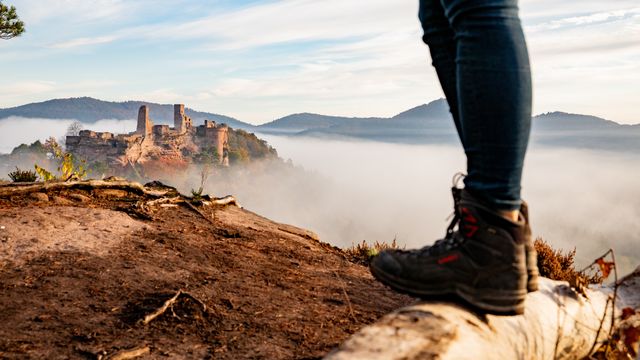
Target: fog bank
column 18, row 130
column 377, row 192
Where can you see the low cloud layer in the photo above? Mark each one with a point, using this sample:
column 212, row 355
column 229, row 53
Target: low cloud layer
column 18, row 130
column 377, row 192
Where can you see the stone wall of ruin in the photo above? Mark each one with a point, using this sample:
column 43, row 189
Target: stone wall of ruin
column 181, row 122
column 152, row 142
column 97, row 147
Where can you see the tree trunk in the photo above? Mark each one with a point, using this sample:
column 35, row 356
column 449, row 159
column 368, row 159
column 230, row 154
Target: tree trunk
column 558, row 324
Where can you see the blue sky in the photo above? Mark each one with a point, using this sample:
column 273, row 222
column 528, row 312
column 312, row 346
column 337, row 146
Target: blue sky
column 260, row 60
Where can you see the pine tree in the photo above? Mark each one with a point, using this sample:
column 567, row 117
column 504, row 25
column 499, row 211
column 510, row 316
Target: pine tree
column 10, row 25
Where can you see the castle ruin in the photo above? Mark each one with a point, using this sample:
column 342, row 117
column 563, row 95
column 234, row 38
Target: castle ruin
column 152, row 142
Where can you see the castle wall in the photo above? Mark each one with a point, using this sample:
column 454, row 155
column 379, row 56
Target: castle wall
column 160, row 130
column 145, row 125
column 95, row 146
column 215, row 136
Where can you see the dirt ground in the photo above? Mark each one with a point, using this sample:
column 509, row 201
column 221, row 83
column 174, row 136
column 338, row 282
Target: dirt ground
column 80, row 269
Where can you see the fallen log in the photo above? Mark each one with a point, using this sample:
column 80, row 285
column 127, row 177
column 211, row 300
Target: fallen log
column 558, row 323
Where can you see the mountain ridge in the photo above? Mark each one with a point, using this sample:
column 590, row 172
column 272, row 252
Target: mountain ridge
column 88, row 109
column 430, row 121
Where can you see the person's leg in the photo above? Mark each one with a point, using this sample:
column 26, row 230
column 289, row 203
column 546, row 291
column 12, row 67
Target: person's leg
column 494, row 96
column 439, row 36
column 484, row 260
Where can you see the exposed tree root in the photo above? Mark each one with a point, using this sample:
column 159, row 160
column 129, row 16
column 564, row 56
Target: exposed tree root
column 13, row 189
column 162, row 195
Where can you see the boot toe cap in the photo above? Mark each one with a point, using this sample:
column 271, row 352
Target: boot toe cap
column 387, row 262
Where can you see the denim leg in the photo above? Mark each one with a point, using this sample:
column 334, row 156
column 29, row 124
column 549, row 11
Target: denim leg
column 493, row 83
column 439, row 35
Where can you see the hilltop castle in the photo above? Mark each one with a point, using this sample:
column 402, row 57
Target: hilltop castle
column 153, row 142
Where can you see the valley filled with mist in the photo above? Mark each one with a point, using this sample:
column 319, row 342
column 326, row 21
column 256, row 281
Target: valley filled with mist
column 349, row 190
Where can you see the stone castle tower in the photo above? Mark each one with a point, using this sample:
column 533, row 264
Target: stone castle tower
column 145, row 125
column 218, row 136
column 181, row 122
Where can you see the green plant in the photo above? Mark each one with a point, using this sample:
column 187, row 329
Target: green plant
column 67, row 166
column 23, row 175
column 44, row 174
column 197, row 194
column 363, row 252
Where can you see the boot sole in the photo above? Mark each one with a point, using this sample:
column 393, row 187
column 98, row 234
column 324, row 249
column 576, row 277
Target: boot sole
column 496, row 302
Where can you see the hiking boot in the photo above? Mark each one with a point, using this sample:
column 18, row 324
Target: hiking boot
column 530, row 250
column 483, row 262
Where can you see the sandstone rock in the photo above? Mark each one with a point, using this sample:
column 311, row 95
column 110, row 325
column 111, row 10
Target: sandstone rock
column 42, row 197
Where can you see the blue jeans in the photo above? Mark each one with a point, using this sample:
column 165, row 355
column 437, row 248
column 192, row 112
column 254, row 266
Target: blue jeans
column 480, row 55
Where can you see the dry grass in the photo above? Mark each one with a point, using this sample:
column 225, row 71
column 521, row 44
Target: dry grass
column 363, row 252
column 558, row 265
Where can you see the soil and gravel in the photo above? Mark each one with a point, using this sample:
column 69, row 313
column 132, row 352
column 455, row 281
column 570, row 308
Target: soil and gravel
column 81, row 268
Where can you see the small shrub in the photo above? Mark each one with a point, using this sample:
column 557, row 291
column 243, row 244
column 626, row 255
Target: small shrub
column 68, row 167
column 557, row 265
column 44, row 174
column 23, row 175
column 363, row 252
column 196, row 194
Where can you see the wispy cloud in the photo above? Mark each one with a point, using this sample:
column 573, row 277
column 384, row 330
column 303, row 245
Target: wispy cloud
column 289, row 21
column 594, row 18
column 84, row 41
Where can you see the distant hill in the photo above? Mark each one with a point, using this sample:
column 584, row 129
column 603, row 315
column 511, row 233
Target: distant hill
column 416, row 117
column 585, row 131
column 428, row 123
column 432, row 123
column 305, row 121
column 557, row 121
column 86, row 109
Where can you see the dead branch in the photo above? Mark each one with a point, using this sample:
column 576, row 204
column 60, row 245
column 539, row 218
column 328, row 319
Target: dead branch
column 227, row 200
column 147, row 319
column 164, row 200
column 558, row 323
column 130, row 354
column 169, row 304
column 346, row 296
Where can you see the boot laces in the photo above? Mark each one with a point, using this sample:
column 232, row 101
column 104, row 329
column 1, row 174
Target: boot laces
column 452, row 239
